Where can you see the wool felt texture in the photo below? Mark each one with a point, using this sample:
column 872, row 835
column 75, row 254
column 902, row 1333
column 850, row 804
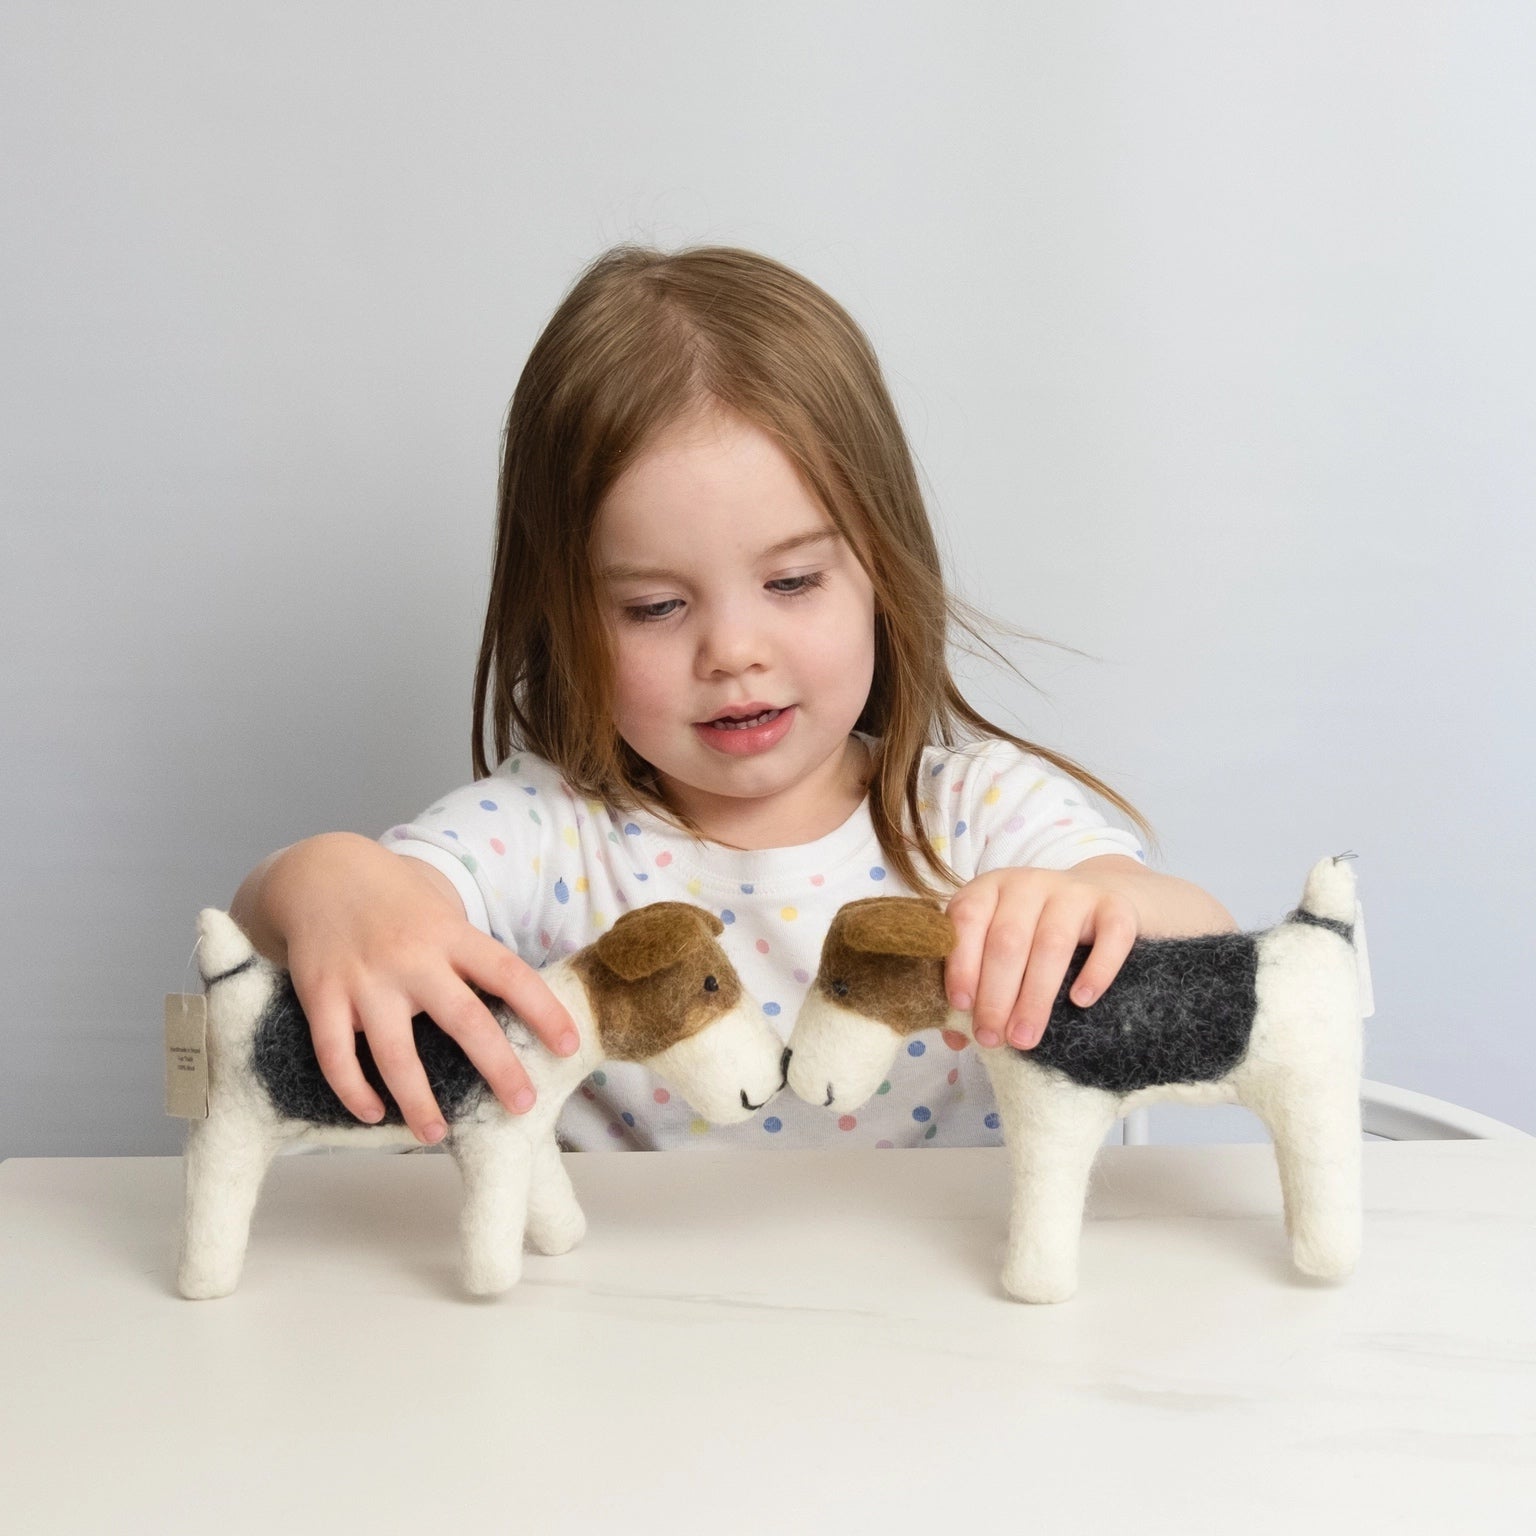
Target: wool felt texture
column 1270, row 1019
column 638, row 1024
column 681, row 1000
column 283, row 1058
column 656, row 987
column 1179, row 1011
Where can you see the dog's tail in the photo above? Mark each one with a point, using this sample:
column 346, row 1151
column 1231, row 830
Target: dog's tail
column 223, row 951
column 238, row 980
column 1329, row 901
column 1329, row 898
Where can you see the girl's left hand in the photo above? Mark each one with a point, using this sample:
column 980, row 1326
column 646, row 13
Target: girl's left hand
column 1016, row 932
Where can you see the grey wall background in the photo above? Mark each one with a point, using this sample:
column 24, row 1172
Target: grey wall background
column 1211, row 324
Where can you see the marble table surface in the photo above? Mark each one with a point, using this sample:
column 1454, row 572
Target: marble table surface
column 774, row 1342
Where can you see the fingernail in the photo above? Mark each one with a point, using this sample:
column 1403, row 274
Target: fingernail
column 986, row 1037
column 568, row 1044
column 962, row 1001
column 434, row 1132
column 373, row 1116
column 522, row 1100
column 1083, row 996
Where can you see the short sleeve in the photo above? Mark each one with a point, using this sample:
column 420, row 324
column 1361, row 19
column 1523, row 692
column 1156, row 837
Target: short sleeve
column 1024, row 814
column 487, row 838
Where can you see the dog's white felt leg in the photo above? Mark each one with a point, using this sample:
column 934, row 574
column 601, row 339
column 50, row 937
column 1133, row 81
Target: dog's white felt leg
column 556, row 1222
column 1317, row 1134
column 1053, row 1129
column 496, row 1161
column 224, row 1164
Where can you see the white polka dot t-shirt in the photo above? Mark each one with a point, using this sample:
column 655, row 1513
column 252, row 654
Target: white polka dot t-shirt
column 546, row 871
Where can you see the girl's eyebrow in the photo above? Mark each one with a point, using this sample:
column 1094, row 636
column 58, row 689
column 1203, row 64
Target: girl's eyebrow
column 621, row 572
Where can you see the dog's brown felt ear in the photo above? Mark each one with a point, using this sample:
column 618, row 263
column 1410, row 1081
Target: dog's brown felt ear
column 911, row 926
column 651, row 938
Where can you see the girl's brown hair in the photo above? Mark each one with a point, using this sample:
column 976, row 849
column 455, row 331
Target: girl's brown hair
column 643, row 339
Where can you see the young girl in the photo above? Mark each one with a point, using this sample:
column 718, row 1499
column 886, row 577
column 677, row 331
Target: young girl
column 714, row 662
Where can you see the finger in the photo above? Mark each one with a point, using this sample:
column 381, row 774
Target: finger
column 388, row 1027
column 331, row 1027
column 1010, row 942
column 1114, row 934
column 962, row 967
column 458, row 1012
column 1056, row 939
column 497, row 970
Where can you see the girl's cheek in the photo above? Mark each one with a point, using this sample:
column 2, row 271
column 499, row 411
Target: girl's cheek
column 642, row 676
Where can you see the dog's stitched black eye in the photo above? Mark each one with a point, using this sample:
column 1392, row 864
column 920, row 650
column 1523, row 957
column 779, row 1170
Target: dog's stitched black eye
column 840, row 989
column 710, row 984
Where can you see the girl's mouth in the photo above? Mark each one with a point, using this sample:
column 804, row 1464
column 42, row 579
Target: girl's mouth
column 730, row 723
column 744, row 738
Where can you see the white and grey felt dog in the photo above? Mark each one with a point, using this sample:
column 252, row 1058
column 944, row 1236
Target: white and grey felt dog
column 654, row 988
column 1271, row 1020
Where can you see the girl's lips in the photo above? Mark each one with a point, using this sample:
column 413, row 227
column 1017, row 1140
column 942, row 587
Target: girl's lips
column 749, row 711
column 749, row 742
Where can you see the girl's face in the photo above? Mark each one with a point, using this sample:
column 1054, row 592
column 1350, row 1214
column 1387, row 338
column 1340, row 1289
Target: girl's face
column 711, row 611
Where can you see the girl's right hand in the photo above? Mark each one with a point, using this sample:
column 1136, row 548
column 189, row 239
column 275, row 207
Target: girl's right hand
column 372, row 938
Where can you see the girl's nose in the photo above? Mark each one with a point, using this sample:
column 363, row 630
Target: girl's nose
column 730, row 643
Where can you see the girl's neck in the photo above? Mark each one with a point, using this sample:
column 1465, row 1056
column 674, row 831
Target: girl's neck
column 751, row 827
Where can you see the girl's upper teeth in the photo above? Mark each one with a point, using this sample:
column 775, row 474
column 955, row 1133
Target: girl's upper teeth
column 731, row 721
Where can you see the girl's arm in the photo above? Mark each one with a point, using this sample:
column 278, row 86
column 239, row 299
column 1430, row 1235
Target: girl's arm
column 371, row 939
column 1170, row 908
column 1017, row 929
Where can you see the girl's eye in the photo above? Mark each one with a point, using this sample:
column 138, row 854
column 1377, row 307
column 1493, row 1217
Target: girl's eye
column 648, row 613
column 801, row 586
column 810, row 583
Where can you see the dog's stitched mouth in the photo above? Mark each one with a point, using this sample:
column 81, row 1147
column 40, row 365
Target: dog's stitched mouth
column 748, row 1105
column 827, row 1102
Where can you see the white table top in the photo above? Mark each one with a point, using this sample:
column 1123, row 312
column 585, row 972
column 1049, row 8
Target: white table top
column 773, row 1342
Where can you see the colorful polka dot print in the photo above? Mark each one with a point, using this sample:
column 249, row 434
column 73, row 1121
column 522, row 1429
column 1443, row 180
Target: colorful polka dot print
column 553, row 870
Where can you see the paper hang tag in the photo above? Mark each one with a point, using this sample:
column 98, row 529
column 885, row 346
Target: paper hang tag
column 186, row 1055
column 1363, row 965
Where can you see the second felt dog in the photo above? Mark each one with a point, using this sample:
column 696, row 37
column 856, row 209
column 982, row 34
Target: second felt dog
column 1271, row 1020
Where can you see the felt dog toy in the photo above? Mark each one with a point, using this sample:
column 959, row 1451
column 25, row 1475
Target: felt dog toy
column 655, row 988
column 1270, row 1019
